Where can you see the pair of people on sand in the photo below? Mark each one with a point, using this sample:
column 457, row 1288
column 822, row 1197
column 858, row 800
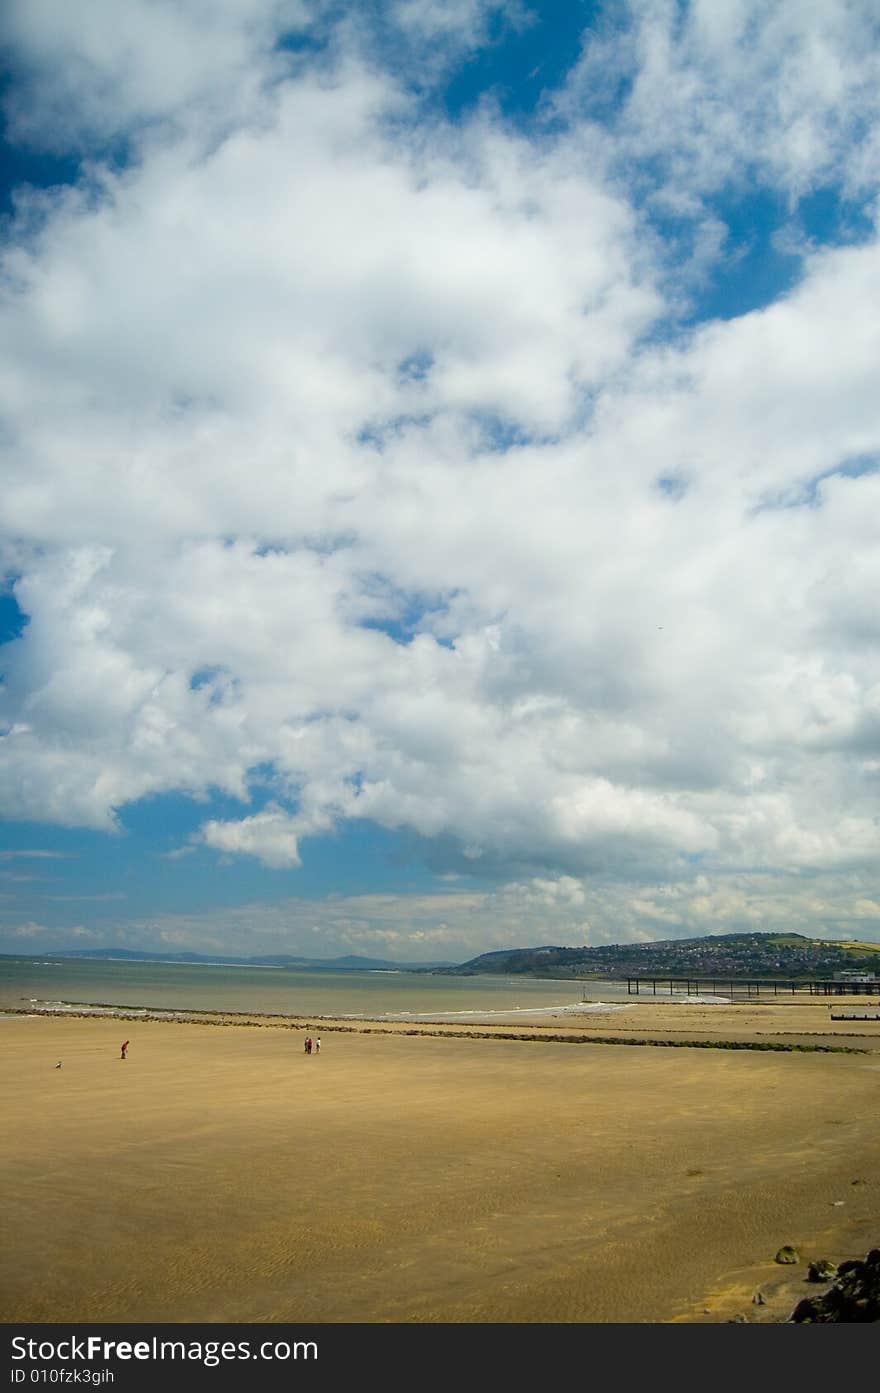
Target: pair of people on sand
column 312, row 1046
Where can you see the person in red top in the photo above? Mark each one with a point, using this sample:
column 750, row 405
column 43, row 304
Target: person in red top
column 125, row 1044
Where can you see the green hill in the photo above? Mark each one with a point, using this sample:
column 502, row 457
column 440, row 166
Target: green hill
column 788, row 955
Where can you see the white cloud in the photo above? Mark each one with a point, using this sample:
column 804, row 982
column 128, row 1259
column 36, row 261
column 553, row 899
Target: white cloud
column 463, row 21
column 317, row 362
column 35, row 854
column 30, row 930
column 268, row 835
column 454, row 926
column 98, row 69
column 717, row 93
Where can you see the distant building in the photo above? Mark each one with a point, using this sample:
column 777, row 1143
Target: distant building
column 850, row 974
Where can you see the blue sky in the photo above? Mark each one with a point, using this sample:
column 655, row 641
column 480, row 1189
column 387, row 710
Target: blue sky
column 440, row 480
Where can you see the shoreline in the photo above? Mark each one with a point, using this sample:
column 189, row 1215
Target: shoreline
column 773, row 1025
column 439, row 1030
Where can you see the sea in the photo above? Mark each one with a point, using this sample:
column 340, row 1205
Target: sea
column 106, row 986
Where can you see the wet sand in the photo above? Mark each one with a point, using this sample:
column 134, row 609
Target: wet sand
column 220, row 1174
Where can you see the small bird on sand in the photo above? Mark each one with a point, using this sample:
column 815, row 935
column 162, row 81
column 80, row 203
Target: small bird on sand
column 58, row 1065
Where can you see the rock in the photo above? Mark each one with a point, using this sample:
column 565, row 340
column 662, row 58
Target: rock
column 758, row 1299
column 787, row 1254
column 854, row 1295
column 822, row 1270
column 806, row 1312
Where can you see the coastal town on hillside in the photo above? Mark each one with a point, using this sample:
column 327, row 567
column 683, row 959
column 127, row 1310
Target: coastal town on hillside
column 725, row 955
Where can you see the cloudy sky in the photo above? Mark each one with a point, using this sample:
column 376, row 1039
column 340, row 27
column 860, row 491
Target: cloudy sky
column 440, row 473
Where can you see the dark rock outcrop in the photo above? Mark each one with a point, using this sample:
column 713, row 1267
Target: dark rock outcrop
column 853, row 1296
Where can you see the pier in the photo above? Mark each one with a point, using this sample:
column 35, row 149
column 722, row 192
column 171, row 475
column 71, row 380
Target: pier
column 747, row 986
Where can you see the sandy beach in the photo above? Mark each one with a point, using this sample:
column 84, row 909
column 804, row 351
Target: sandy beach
column 506, row 1171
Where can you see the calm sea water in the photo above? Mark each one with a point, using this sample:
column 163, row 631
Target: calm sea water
column 72, row 982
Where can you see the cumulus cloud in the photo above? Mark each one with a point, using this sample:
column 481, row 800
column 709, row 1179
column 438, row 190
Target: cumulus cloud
column 356, row 459
column 100, row 70
column 268, row 834
column 451, row 926
column 715, row 93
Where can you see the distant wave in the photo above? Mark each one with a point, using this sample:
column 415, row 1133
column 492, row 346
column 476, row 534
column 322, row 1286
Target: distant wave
column 44, row 1006
column 596, row 1008
column 688, row 999
column 85, row 1008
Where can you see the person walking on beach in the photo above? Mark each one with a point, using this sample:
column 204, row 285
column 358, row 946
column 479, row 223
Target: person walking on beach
column 308, row 1044
column 317, row 1046
column 124, row 1051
